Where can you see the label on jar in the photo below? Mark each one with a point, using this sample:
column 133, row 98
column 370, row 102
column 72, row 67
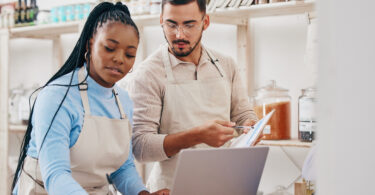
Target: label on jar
column 309, row 126
column 307, row 109
column 267, row 129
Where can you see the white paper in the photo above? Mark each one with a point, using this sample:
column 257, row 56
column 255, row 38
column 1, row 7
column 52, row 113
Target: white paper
column 249, row 139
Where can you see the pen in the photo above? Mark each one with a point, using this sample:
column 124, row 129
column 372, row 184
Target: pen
column 240, row 129
column 243, row 127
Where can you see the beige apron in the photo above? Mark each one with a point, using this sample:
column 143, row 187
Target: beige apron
column 186, row 105
column 102, row 147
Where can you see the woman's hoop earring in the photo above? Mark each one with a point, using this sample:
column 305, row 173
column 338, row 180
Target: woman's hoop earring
column 86, row 55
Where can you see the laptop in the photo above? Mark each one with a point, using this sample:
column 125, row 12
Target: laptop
column 219, row 171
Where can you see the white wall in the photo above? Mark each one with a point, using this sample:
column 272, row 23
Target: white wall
column 346, row 111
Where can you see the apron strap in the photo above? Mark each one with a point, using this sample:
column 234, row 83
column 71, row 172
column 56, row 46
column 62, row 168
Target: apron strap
column 40, row 183
column 85, row 100
column 167, row 63
column 83, row 90
column 215, row 62
column 168, row 66
column 119, row 105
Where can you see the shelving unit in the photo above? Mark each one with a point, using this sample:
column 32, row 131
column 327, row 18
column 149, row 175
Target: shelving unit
column 286, row 143
column 239, row 17
column 17, row 128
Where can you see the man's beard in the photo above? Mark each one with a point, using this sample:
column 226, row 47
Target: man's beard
column 179, row 53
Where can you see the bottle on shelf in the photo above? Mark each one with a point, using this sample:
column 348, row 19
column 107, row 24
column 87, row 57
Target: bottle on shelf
column 307, row 115
column 155, row 7
column 22, row 12
column 35, row 10
column 23, row 108
column 14, row 99
column 17, row 13
column 29, row 13
column 25, row 13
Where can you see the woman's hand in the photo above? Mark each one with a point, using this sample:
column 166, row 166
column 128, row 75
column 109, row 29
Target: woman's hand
column 160, row 192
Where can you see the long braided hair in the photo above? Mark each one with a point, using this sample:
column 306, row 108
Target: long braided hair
column 102, row 13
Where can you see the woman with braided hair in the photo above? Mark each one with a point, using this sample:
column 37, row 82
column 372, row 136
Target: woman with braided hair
column 78, row 139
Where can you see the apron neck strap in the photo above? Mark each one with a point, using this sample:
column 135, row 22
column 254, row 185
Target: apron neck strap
column 85, row 100
column 119, row 105
column 215, row 62
column 83, row 90
column 167, row 63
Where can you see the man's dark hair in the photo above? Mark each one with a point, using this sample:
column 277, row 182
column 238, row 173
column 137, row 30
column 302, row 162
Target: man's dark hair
column 201, row 3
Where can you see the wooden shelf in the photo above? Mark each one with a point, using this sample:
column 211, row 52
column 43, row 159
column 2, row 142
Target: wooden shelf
column 45, row 31
column 240, row 15
column 286, row 143
column 50, row 31
column 17, row 128
column 236, row 16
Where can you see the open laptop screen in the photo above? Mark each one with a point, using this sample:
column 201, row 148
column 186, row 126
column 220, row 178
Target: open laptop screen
column 219, row 171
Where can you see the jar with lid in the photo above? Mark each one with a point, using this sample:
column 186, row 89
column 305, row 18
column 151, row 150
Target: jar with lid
column 273, row 97
column 307, row 115
column 261, row 1
column 155, row 7
column 23, row 108
column 26, row 102
column 133, row 6
column 14, row 100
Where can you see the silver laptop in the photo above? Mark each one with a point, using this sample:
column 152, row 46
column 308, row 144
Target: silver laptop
column 219, row 171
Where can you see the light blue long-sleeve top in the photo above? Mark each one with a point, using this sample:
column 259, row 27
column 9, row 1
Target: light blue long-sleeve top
column 54, row 157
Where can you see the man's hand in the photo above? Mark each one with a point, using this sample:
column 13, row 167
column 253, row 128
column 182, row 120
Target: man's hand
column 160, row 192
column 216, row 133
column 213, row 133
column 249, row 122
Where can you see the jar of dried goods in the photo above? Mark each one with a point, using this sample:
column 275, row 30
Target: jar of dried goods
column 307, row 115
column 273, row 97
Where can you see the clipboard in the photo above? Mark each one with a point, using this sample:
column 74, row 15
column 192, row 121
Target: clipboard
column 249, row 139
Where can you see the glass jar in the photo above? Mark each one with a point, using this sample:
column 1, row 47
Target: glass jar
column 155, row 7
column 307, row 115
column 23, row 108
column 134, row 7
column 144, row 7
column 44, row 17
column 70, row 13
column 14, row 100
column 86, row 10
column 261, row 1
column 273, row 97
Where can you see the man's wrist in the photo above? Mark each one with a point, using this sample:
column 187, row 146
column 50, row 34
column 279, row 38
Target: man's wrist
column 195, row 136
column 173, row 143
